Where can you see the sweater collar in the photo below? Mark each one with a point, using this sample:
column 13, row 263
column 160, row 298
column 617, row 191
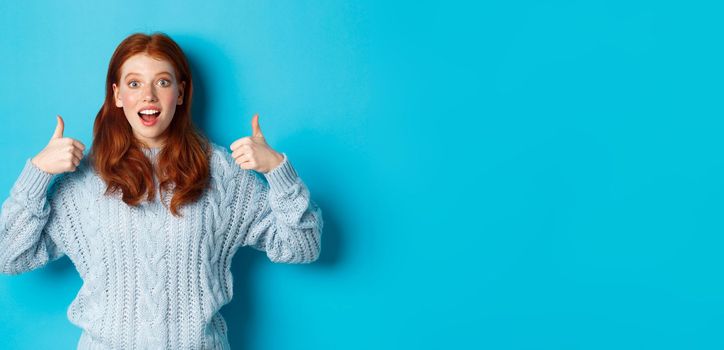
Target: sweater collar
column 151, row 152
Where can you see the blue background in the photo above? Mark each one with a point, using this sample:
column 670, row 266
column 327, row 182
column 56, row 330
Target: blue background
column 509, row 175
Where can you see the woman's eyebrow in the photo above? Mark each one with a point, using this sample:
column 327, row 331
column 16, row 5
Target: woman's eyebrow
column 133, row 73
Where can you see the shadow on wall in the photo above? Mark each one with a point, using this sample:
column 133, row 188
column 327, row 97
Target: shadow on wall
column 200, row 98
column 240, row 312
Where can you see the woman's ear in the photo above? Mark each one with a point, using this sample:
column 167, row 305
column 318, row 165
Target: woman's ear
column 117, row 98
column 181, row 88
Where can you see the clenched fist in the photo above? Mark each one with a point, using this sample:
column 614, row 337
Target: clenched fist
column 62, row 154
column 252, row 152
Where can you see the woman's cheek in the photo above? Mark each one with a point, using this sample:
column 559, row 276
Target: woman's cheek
column 171, row 97
column 129, row 99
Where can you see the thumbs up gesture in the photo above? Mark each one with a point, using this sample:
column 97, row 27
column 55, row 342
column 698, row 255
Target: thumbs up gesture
column 252, row 152
column 62, row 154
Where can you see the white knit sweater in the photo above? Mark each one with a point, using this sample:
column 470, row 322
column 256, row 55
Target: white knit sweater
column 152, row 280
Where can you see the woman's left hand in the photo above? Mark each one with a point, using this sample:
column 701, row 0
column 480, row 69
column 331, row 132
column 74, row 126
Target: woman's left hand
column 253, row 153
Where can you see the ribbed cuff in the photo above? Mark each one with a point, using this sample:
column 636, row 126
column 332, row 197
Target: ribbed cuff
column 33, row 181
column 283, row 176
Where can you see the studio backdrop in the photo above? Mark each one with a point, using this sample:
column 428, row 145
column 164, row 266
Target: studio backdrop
column 492, row 175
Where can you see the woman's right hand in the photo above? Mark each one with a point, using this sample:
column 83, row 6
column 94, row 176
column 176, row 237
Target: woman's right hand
column 62, row 154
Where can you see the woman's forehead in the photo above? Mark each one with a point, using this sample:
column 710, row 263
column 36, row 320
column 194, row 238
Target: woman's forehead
column 146, row 65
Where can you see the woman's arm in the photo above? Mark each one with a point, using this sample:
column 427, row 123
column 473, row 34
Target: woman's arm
column 278, row 218
column 285, row 222
column 24, row 243
column 30, row 217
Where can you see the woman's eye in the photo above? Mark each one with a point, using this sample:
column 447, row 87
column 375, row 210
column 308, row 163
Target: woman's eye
column 164, row 82
column 133, row 84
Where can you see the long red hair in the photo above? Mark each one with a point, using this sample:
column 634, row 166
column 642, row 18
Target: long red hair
column 182, row 163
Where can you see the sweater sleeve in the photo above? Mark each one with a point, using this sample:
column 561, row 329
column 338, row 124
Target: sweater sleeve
column 25, row 243
column 278, row 217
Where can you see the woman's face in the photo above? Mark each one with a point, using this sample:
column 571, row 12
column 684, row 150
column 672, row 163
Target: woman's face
column 148, row 92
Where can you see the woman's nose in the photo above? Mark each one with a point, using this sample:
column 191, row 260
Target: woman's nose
column 149, row 95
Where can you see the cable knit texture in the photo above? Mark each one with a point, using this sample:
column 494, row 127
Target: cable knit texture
column 152, row 280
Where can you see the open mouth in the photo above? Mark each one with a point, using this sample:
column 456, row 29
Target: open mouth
column 149, row 115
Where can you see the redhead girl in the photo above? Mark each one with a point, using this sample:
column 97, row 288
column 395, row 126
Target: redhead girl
column 153, row 215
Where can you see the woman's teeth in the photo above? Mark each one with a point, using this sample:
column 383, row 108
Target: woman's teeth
column 148, row 115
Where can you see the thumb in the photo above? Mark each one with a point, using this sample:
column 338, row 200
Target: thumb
column 59, row 128
column 256, row 130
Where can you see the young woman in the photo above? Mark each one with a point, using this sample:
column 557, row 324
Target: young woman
column 152, row 217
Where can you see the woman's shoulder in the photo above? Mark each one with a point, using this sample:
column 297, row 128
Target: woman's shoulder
column 221, row 163
column 84, row 176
